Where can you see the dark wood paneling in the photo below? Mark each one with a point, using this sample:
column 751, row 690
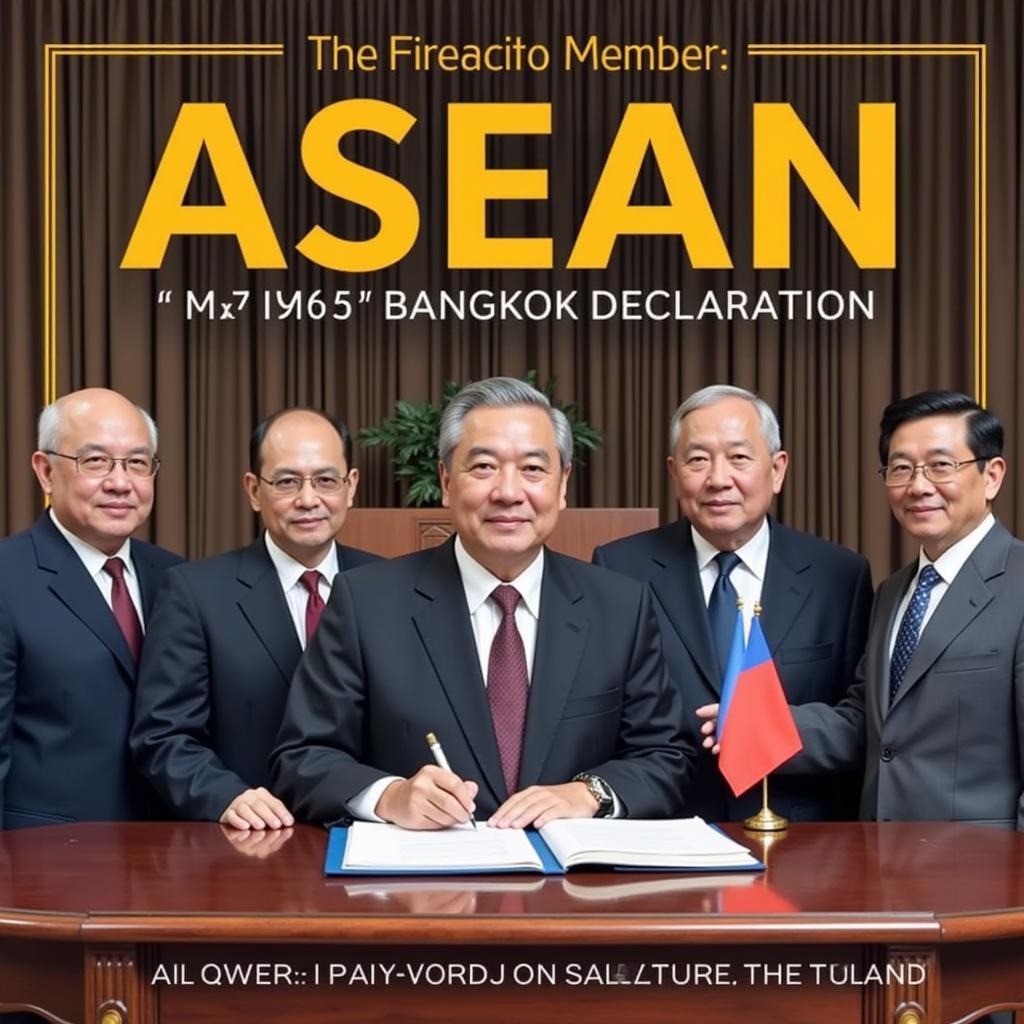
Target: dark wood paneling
column 397, row 531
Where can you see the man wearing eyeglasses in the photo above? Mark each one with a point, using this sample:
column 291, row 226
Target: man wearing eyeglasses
column 937, row 711
column 75, row 598
column 227, row 633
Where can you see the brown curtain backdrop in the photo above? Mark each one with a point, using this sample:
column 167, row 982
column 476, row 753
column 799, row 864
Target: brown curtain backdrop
column 208, row 382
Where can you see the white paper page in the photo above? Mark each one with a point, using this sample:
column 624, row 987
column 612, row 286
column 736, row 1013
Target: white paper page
column 676, row 841
column 374, row 845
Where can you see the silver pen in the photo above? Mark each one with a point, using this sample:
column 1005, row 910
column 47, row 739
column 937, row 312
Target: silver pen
column 442, row 762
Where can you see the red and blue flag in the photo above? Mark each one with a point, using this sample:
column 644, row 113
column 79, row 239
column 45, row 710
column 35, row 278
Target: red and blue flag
column 756, row 731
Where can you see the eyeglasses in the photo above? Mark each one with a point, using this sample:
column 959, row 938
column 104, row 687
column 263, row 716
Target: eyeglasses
column 290, row 486
column 939, row 471
column 98, row 465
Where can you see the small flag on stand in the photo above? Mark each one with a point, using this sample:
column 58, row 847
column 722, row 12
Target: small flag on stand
column 756, row 731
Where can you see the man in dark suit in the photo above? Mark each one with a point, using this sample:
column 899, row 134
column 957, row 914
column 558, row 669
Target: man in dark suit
column 75, row 597
column 227, row 633
column 937, row 710
column 541, row 676
column 727, row 464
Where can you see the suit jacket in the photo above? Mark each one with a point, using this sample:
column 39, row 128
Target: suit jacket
column 220, row 653
column 394, row 658
column 816, row 600
column 951, row 746
column 66, row 684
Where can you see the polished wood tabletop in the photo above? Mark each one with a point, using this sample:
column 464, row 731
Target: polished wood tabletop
column 835, row 882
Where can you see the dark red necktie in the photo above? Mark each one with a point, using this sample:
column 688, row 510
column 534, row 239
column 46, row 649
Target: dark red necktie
column 508, row 685
column 124, row 610
column 314, row 604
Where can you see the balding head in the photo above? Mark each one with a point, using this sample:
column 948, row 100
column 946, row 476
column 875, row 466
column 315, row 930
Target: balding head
column 301, row 481
column 78, row 403
column 102, row 508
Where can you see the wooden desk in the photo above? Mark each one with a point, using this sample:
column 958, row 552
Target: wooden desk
column 139, row 922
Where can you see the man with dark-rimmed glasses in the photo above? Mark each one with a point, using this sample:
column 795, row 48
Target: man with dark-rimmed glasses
column 76, row 592
column 937, row 711
column 227, row 633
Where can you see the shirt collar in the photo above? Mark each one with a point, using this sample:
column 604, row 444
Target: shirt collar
column 289, row 571
column 753, row 554
column 952, row 560
column 479, row 582
column 92, row 558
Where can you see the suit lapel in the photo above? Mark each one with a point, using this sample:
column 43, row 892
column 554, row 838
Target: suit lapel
column 444, row 629
column 889, row 596
column 561, row 637
column 784, row 592
column 968, row 594
column 73, row 586
column 149, row 578
column 263, row 604
column 678, row 591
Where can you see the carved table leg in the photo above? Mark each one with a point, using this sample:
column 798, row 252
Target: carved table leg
column 117, row 985
column 910, row 992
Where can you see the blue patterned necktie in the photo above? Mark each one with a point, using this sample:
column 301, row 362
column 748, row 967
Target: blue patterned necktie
column 910, row 628
column 722, row 607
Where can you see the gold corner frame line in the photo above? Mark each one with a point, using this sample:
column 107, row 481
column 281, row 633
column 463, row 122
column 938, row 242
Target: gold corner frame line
column 52, row 52
column 978, row 53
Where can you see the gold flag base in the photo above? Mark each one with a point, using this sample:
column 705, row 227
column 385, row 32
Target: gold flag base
column 766, row 820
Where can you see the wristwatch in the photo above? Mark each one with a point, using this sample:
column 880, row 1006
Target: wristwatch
column 600, row 791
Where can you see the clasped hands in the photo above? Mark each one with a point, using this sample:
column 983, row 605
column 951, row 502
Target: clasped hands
column 434, row 798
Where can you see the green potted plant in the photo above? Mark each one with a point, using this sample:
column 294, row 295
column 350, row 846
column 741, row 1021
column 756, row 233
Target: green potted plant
column 412, row 432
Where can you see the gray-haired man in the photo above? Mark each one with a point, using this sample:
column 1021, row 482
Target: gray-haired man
column 727, row 464
column 541, row 675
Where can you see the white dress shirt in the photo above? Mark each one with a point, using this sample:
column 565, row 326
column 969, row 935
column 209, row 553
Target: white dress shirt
column 289, row 572
column 93, row 559
column 747, row 577
column 484, row 614
column 947, row 565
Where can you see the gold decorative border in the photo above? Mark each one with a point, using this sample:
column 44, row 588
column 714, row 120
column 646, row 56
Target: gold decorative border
column 52, row 52
column 978, row 54
column 976, row 51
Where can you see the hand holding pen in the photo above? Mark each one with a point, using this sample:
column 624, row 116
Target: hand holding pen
column 435, row 797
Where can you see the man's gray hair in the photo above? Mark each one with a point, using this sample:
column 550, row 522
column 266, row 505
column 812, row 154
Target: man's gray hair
column 499, row 393
column 48, row 432
column 719, row 392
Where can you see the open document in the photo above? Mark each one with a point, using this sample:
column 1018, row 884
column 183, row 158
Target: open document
column 683, row 844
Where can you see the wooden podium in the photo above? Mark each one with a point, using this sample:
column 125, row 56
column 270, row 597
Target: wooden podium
column 894, row 923
column 398, row 531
